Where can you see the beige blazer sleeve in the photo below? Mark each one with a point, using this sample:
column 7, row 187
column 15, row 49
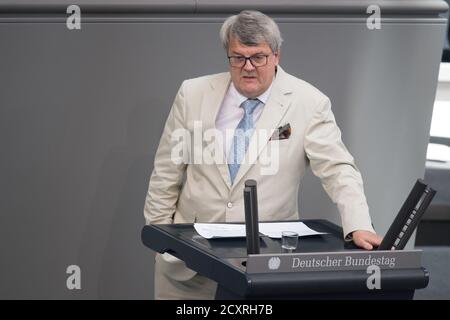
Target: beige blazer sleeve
column 334, row 165
column 167, row 175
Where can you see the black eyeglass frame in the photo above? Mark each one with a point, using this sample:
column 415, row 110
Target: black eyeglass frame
column 250, row 59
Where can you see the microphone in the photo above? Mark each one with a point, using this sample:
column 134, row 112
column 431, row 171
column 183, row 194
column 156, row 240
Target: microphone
column 251, row 217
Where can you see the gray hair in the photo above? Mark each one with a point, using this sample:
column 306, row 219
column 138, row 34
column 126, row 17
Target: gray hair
column 251, row 28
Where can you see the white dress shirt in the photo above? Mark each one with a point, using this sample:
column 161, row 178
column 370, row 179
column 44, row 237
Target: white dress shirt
column 231, row 113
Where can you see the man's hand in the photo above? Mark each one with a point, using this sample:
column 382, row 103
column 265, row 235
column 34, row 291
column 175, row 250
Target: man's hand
column 366, row 239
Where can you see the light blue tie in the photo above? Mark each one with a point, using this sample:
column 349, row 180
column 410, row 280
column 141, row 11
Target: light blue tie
column 241, row 138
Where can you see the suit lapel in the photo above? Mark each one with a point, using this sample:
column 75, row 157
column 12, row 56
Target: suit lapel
column 276, row 107
column 210, row 107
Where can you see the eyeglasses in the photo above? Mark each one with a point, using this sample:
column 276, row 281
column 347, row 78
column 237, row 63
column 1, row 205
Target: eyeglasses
column 258, row 60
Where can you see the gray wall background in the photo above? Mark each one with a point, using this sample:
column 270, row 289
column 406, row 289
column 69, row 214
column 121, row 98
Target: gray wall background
column 81, row 114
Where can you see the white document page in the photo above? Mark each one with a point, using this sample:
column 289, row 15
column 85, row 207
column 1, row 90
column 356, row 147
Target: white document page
column 220, row 230
column 272, row 230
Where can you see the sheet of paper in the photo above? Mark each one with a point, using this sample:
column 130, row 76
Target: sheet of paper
column 219, row 230
column 272, row 230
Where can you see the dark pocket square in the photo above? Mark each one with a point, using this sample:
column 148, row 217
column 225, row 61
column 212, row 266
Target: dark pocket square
column 281, row 133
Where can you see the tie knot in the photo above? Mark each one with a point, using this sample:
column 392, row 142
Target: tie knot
column 249, row 105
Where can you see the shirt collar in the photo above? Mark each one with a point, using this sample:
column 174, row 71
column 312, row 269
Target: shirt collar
column 263, row 97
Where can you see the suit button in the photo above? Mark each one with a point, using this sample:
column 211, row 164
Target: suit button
column 229, row 205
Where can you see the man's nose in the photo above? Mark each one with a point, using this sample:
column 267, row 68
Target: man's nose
column 248, row 65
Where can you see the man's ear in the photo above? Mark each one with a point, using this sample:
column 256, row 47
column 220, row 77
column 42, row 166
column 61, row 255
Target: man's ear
column 278, row 55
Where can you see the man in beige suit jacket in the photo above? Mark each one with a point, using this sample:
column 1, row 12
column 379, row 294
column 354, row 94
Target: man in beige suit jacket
column 211, row 192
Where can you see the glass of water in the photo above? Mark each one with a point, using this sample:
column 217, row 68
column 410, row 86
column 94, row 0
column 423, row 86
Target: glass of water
column 289, row 241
